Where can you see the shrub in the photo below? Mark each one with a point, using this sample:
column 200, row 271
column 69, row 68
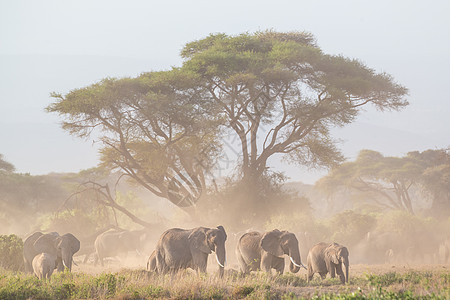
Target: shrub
column 11, row 252
column 350, row 227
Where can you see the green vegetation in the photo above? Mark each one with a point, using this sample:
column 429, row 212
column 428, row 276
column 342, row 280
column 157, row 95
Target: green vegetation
column 11, row 249
column 139, row 284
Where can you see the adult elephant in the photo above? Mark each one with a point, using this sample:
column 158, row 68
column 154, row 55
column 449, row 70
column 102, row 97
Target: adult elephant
column 112, row 243
column 62, row 247
column 181, row 248
column 257, row 251
column 326, row 258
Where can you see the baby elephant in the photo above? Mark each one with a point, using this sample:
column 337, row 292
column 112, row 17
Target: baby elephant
column 326, row 258
column 43, row 265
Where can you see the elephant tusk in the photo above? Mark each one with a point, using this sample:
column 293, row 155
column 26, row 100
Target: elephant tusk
column 64, row 264
column 298, row 266
column 219, row 262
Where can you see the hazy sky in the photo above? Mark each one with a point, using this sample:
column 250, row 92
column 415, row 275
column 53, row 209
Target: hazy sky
column 60, row 45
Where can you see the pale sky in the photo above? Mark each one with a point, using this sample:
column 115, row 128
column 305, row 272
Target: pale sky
column 60, row 45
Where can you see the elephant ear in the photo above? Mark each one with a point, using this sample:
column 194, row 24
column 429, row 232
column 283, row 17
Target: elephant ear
column 198, row 241
column 271, row 243
column 220, row 227
column 47, row 244
column 73, row 242
column 331, row 253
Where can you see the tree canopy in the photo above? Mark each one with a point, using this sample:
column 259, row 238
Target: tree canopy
column 277, row 92
column 156, row 128
column 6, row 166
column 280, row 93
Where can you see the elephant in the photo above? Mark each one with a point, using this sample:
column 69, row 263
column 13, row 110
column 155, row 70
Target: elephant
column 151, row 263
column 112, row 243
column 43, row 265
column 29, row 252
column 326, row 258
column 62, row 247
column 257, row 251
column 189, row 248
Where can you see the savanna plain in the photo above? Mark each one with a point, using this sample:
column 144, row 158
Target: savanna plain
column 366, row 282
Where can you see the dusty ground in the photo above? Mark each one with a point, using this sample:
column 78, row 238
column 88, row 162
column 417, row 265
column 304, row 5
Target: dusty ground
column 140, row 262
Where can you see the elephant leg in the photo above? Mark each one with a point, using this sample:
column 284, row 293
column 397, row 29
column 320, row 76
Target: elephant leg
column 200, row 261
column 278, row 264
column 245, row 268
column 310, row 270
column 323, row 275
column 266, row 262
column 161, row 266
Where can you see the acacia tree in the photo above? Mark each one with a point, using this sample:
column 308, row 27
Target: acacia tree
column 435, row 178
column 277, row 92
column 280, row 94
column 155, row 128
column 389, row 179
column 6, row 166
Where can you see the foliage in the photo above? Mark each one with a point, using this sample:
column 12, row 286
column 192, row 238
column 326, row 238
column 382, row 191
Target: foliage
column 6, row 166
column 388, row 181
column 24, row 195
column 298, row 222
column 406, row 224
column 11, row 252
column 435, row 178
column 278, row 93
column 155, row 128
column 349, row 227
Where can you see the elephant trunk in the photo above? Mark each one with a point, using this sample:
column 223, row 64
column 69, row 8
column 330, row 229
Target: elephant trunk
column 221, row 258
column 346, row 265
column 67, row 260
column 296, row 261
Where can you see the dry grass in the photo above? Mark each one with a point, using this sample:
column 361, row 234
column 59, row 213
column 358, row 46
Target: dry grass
column 366, row 282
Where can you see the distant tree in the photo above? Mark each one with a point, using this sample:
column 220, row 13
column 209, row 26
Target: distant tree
column 388, row 180
column 435, row 178
column 156, row 128
column 6, row 166
column 280, row 94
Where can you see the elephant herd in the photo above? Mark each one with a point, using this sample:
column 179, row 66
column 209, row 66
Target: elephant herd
column 179, row 249
column 43, row 253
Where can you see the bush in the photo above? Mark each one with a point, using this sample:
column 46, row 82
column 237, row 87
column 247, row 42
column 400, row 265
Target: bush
column 350, row 227
column 11, row 252
column 297, row 222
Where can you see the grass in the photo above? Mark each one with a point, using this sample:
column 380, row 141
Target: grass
column 140, row 284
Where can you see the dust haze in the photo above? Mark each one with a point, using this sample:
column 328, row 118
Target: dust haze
column 121, row 127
